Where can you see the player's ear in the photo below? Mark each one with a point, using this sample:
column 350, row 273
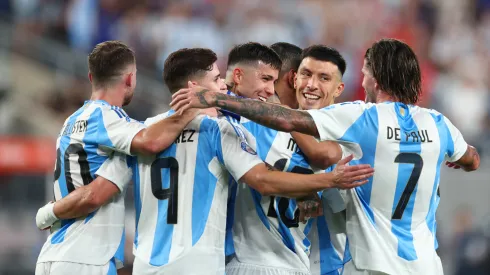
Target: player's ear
column 90, row 77
column 129, row 79
column 295, row 80
column 237, row 75
column 339, row 90
column 291, row 76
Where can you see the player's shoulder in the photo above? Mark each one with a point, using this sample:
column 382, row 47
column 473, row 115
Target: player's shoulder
column 100, row 108
column 436, row 115
column 358, row 104
column 152, row 120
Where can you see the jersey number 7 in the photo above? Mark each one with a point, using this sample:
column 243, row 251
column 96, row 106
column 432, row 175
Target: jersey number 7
column 172, row 193
column 418, row 163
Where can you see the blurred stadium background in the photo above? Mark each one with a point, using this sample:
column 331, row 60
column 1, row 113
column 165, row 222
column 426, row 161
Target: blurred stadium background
column 43, row 49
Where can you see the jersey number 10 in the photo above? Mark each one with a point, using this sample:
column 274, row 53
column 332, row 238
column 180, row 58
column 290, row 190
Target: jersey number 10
column 283, row 203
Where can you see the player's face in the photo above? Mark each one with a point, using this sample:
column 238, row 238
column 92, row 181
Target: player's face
column 131, row 73
column 317, row 84
column 212, row 80
column 368, row 83
column 257, row 82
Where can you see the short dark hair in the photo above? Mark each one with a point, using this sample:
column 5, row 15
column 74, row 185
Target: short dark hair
column 326, row 54
column 186, row 63
column 107, row 60
column 289, row 54
column 396, row 69
column 253, row 52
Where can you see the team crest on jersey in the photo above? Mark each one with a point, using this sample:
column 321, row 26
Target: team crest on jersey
column 247, row 148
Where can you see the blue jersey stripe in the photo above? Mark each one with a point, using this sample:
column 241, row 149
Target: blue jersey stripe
column 265, row 137
column 116, row 111
column 202, row 195
column 137, row 198
column 402, row 228
column 329, row 259
column 102, row 137
column 59, row 235
column 257, row 197
column 445, row 143
column 367, row 124
column 230, row 217
column 162, row 243
column 95, row 130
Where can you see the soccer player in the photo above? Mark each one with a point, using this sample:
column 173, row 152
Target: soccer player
column 290, row 56
column 89, row 136
column 318, row 83
column 252, row 70
column 283, row 248
column 181, row 193
column 390, row 220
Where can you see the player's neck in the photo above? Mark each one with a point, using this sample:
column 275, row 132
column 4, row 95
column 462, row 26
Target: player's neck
column 111, row 96
column 384, row 97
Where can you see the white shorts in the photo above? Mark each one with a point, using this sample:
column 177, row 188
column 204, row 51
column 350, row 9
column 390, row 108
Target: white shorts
column 351, row 269
column 64, row 268
column 203, row 265
column 234, row 267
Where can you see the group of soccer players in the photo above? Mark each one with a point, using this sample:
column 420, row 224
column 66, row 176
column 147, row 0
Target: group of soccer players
column 252, row 187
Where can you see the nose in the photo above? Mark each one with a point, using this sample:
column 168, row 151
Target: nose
column 222, row 85
column 269, row 90
column 312, row 83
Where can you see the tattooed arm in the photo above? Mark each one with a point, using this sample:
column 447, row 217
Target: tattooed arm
column 270, row 115
column 470, row 161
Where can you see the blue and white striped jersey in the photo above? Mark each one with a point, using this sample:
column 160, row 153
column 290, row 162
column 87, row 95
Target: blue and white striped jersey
column 391, row 220
column 181, row 197
column 86, row 140
column 266, row 230
column 327, row 234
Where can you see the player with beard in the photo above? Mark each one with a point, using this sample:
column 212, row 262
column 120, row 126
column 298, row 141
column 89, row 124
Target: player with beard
column 95, row 245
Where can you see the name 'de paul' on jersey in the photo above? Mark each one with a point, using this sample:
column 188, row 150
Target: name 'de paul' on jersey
column 413, row 136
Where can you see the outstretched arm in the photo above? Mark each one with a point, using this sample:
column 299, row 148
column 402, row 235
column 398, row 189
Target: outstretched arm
column 267, row 114
column 162, row 134
column 268, row 182
column 470, row 161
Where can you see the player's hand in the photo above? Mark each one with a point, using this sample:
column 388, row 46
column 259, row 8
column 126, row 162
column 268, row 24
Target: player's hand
column 309, row 207
column 45, row 217
column 191, row 97
column 346, row 177
column 452, row 165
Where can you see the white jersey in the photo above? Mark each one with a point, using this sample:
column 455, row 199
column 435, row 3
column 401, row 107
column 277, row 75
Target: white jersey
column 181, row 198
column 266, row 230
column 86, row 140
column 391, row 222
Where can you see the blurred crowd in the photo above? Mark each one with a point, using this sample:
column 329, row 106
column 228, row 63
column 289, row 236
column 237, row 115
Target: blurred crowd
column 451, row 37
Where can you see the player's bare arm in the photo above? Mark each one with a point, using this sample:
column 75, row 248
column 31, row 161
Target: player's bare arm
column 320, row 154
column 79, row 203
column 470, row 161
column 293, row 185
column 162, row 134
column 271, row 115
